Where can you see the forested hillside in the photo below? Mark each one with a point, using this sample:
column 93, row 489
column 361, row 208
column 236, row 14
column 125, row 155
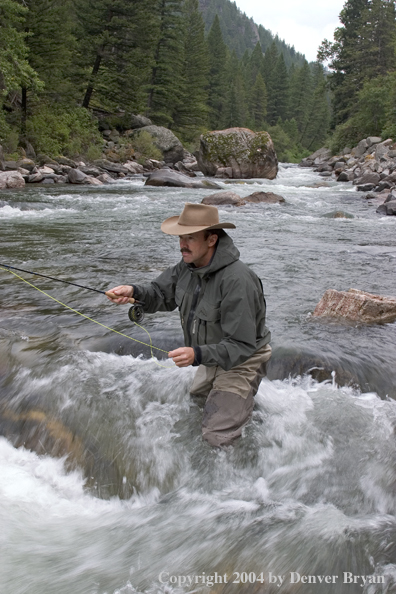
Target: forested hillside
column 64, row 63
column 241, row 33
column 363, row 72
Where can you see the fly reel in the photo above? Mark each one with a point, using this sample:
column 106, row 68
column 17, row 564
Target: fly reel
column 136, row 314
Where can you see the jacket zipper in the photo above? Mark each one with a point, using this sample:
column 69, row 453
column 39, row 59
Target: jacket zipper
column 191, row 315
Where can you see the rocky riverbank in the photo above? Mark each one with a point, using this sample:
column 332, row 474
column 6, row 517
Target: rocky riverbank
column 234, row 153
column 370, row 166
column 61, row 170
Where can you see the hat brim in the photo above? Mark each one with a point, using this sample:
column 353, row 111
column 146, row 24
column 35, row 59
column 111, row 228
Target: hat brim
column 171, row 227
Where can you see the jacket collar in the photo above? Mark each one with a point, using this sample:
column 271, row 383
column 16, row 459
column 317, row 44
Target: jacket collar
column 226, row 253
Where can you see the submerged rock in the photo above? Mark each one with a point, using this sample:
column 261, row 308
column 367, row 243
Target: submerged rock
column 238, row 153
column 338, row 214
column 356, row 306
column 40, row 432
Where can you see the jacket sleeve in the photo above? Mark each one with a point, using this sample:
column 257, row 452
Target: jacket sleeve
column 242, row 314
column 159, row 295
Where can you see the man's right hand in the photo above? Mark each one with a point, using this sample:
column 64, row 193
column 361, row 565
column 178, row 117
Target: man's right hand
column 121, row 294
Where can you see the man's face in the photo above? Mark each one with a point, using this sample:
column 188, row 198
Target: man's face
column 196, row 249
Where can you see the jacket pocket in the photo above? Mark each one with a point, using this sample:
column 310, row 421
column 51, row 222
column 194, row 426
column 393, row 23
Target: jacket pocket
column 209, row 328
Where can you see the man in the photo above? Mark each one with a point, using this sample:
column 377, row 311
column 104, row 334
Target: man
column 222, row 312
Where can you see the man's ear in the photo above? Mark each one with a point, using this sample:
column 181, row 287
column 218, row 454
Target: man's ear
column 212, row 240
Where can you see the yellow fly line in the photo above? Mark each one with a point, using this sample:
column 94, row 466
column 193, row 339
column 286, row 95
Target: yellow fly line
column 95, row 321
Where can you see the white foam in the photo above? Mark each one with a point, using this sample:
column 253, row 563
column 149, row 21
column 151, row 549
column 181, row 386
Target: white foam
column 9, row 212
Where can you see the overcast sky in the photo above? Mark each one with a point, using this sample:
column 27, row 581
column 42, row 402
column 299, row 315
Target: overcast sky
column 302, row 23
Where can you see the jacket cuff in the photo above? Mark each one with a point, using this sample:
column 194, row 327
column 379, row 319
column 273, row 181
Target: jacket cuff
column 136, row 291
column 198, row 356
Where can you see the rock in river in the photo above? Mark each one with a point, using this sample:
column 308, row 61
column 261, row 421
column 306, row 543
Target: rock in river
column 267, row 197
column 356, row 306
column 223, row 198
column 239, row 152
column 167, row 177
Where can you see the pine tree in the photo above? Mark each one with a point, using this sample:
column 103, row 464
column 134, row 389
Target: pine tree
column 317, row 123
column 378, row 38
column 191, row 112
column 235, row 113
column 217, row 74
column 50, row 42
column 15, row 70
column 347, row 59
column 258, row 103
column 281, row 90
column 52, row 45
column 256, row 63
column 300, row 94
column 269, row 66
column 117, row 40
column 165, row 87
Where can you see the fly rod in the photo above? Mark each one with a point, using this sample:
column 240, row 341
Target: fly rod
column 135, row 313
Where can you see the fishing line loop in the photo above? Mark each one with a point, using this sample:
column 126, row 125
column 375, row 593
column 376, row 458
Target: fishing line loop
column 7, row 269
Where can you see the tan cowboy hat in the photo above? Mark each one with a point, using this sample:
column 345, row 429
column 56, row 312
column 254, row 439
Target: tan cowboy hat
column 194, row 218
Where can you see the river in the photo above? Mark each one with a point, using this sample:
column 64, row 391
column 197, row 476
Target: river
column 304, row 502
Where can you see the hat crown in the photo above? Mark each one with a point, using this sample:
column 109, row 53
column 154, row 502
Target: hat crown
column 194, row 218
column 199, row 215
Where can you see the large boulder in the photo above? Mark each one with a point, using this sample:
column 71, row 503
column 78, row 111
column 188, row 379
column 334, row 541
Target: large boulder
column 28, row 148
column 167, row 177
column 11, row 179
column 245, row 153
column 356, row 306
column 387, row 208
column 76, row 176
column 169, row 145
column 368, row 177
column 139, row 121
column 25, row 163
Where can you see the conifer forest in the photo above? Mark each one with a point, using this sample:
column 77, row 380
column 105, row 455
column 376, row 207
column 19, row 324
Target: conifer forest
column 191, row 66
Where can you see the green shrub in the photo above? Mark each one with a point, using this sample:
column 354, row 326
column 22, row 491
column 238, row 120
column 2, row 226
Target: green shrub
column 145, row 148
column 56, row 130
column 4, row 127
column 346, row 134
column 10, row 144
column 94, row 152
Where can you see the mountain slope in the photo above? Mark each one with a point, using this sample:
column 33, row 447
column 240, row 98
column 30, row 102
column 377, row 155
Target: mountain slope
column 241, row 33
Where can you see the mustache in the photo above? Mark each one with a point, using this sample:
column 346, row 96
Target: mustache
column 185, row 251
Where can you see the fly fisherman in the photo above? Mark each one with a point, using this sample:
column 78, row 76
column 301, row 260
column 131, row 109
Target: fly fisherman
column 222, row 312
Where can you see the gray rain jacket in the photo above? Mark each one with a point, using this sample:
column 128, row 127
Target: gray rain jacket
column 221, row 305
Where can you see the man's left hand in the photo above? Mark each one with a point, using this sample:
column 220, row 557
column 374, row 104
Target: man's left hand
column 183, row 357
